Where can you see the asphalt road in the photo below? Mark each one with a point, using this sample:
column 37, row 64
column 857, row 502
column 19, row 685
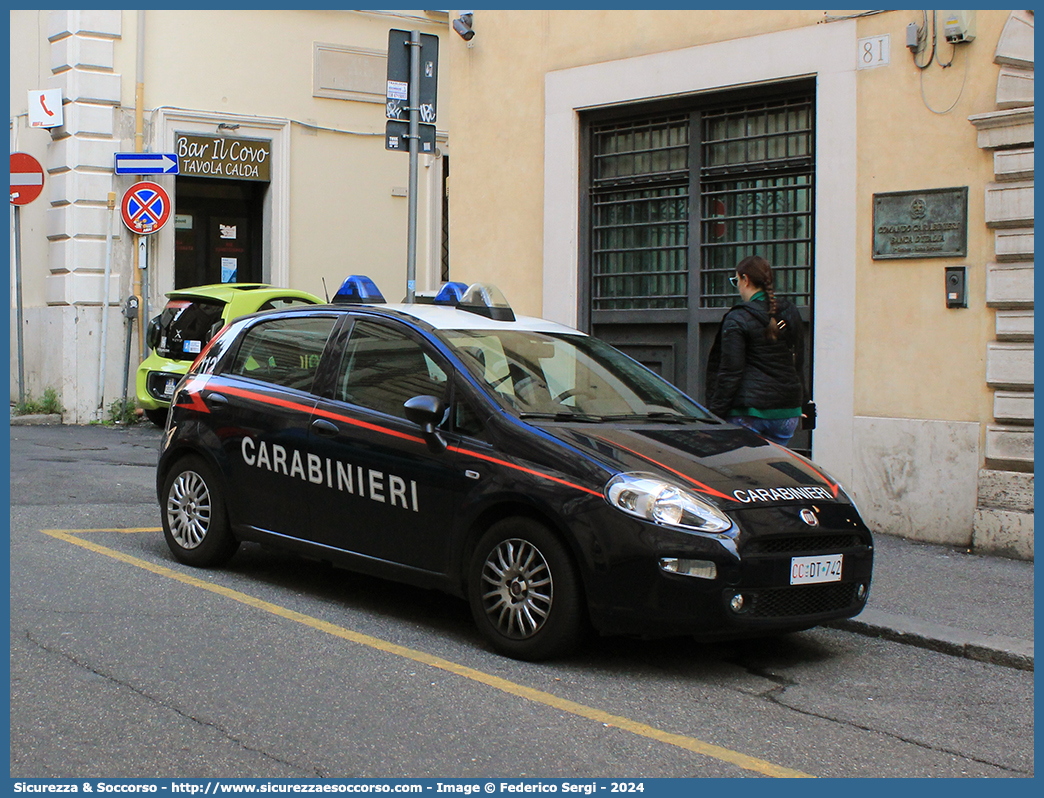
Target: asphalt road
column 125, row 663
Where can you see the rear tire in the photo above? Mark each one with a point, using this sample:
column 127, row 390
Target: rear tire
column 195, row 523
column 525, row 593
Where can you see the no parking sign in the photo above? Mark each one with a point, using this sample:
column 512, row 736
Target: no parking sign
column 145, row 208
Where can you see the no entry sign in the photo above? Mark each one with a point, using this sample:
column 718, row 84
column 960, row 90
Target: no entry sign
column 145, row 208
column 27, row 178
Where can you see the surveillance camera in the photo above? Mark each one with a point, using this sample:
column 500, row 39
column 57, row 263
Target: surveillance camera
column 463, row 26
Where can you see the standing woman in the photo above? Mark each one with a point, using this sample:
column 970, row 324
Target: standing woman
column 759, row 357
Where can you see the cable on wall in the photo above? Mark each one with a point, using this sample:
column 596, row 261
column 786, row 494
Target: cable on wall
column 964, row 82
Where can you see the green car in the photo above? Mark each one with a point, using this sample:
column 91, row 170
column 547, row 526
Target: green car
column 190, row 319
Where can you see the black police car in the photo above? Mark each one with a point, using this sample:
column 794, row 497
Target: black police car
column 543, row 475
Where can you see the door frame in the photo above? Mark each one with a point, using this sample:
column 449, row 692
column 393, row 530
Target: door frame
column 689, row 332
column 275, row 237
column 825, row 52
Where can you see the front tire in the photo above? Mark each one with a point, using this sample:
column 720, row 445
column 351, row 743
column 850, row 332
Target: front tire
column 524, row 591
column 195, row 524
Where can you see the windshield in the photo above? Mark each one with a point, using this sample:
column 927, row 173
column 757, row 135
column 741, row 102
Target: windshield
column 186, row 327
column 550, row 375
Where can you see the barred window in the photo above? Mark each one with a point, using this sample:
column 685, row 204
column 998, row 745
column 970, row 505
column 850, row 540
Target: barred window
column 640, row 215
column 754, row 185
column 756, row 190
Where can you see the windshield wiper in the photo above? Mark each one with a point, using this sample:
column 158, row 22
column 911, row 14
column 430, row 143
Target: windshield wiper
column 562, row 416
column 657, row 415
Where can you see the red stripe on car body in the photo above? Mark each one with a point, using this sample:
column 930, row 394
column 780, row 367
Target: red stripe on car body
column 702, row 488
column 289, row 405
column 523, row 468
column 834, row 486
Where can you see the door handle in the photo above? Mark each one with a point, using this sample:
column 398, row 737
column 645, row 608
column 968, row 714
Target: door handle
column 324, row 427
column 217, row 399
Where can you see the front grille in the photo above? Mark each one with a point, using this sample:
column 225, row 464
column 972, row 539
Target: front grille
column 801, row 543
column 790, row 602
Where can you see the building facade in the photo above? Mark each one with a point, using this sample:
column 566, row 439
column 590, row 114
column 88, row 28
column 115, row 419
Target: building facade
column 613, row 166
column 278, row 119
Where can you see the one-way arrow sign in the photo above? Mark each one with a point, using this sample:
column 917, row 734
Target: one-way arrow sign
column 146, row 163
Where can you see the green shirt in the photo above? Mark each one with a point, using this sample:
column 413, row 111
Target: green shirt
column 780, row 412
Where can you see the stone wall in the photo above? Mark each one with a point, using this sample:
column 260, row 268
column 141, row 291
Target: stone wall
column 1003, row 521
column 80, row 177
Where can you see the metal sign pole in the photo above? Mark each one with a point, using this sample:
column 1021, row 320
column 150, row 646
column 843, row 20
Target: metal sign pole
column 414, row 94
column 105, row 301
column 143, row 270
column 18, row 293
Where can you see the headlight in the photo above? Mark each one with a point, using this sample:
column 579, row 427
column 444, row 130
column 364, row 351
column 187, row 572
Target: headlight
column 655, row 499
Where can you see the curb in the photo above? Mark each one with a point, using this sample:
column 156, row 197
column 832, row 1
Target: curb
column 1009, row 652
column 36, row 420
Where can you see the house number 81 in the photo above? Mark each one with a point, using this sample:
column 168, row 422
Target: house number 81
column 873, row 51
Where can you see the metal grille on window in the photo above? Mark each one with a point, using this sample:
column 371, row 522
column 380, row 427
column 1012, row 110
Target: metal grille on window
column 756, row 195
column 640, row 213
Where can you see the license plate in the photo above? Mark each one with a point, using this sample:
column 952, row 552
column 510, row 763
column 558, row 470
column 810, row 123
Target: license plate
column 814, row 570
column 168, row 389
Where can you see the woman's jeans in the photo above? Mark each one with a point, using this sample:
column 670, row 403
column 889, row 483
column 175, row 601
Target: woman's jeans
column 777, row 430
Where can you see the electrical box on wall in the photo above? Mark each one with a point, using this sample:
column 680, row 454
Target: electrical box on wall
column 958, row 26
column 956, row 287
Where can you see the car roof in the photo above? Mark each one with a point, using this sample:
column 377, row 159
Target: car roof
column 445, row 317
column 224, row 292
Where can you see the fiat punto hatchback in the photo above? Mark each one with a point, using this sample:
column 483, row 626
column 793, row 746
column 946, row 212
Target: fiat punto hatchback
column 544, row 476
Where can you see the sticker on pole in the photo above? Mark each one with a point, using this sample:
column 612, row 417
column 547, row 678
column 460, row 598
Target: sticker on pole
column 145, row 208
column 27, row 178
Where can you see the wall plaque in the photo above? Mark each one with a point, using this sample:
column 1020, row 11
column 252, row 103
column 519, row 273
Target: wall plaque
column 932, row 223
column 223, row 157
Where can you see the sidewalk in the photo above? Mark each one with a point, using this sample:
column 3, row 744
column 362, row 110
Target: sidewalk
column 945, row 599
column 935, row 597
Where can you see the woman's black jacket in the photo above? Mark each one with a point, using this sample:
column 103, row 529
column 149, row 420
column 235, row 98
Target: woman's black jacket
column 746, row 369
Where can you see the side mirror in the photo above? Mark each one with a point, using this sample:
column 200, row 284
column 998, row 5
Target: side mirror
column 427, row 413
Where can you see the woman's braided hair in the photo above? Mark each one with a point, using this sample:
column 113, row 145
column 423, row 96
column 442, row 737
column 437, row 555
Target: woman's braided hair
column 759, row 273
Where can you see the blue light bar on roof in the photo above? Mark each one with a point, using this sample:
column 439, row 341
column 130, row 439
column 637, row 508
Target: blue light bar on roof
column 358, row 290
column 450, row 294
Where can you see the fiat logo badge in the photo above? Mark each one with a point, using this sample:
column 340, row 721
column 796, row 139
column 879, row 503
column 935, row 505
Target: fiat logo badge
column 809, row 517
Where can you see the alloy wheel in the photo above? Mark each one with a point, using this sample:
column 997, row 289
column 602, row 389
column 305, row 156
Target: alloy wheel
column 189, row 509
column 518, row 588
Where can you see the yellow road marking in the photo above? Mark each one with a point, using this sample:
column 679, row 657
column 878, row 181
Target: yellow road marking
column 539, row 696
column 122, row 530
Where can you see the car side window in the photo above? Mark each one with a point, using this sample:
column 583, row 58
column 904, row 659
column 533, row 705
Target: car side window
column 283, row 352
column 382, row 367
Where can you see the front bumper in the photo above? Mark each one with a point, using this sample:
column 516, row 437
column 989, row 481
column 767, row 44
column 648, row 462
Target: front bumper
column 631, row 594
column 152, row 379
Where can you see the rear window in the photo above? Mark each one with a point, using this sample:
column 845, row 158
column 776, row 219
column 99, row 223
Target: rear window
column 186, row 326
column 279, row 303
